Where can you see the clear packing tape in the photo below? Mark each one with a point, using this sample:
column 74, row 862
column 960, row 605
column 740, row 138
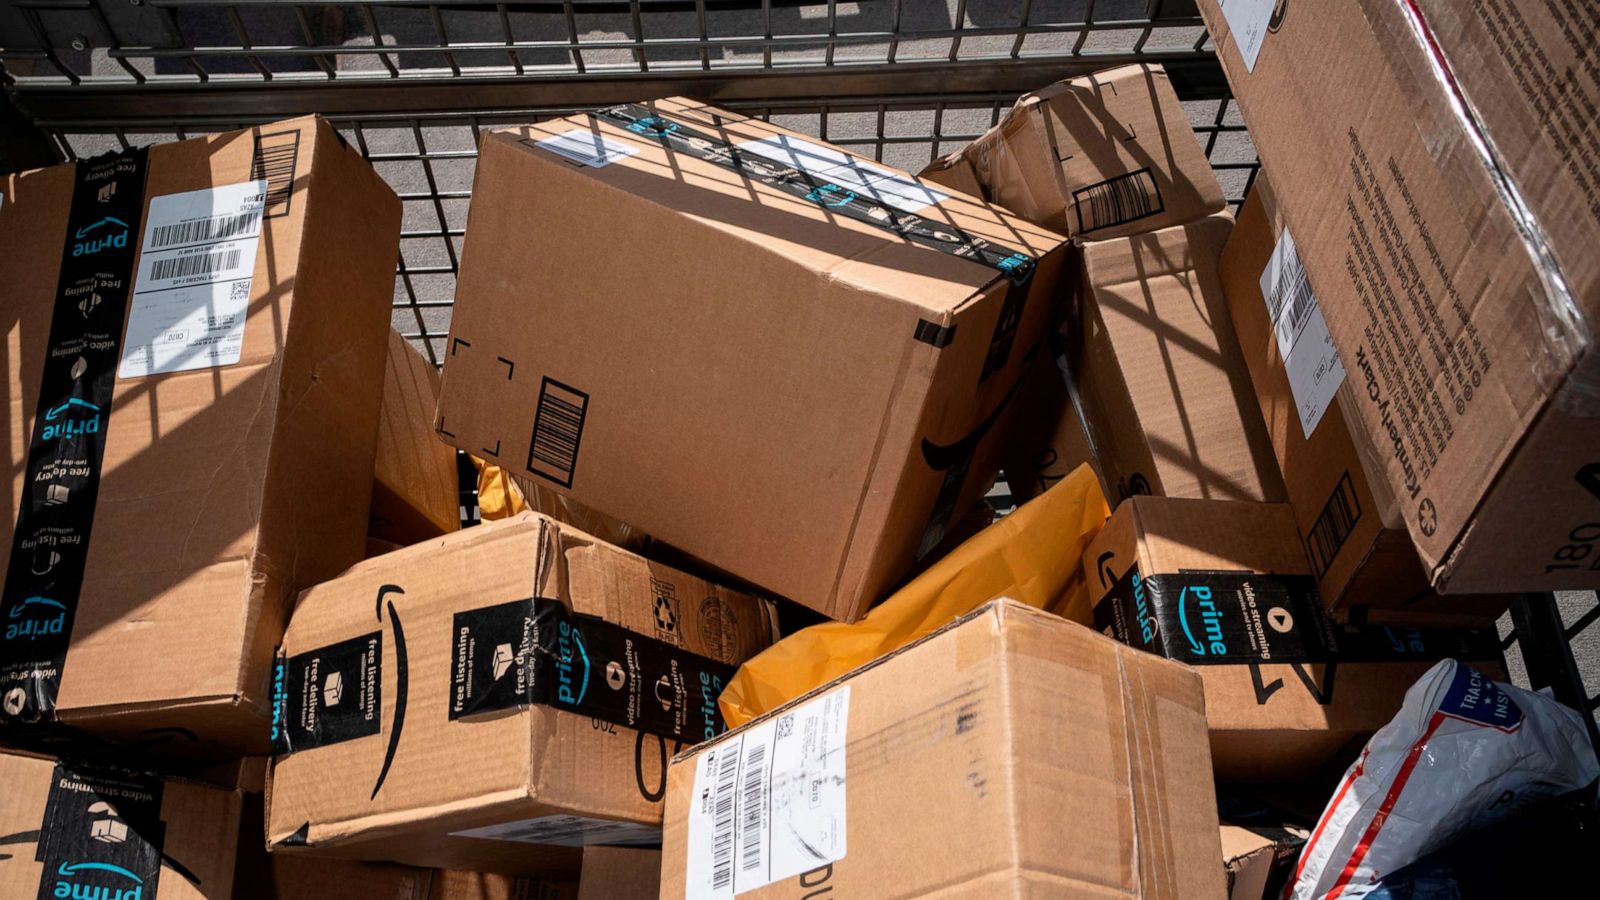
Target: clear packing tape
column 1570, row 354
column 1034, row 555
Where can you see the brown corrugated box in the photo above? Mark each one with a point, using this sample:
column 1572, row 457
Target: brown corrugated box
column 1259, row 860
column 1049, row 440
column 414, row 691
column 1355, row 541
column 414, row 491
column 225, row 488
column 781, row 376
column 1224, row 586
column 1011, row 753
column 1438, row 168
column 459, row 885
column 620, row 873
column 1158, row 373
column 1104, row 155
column 69, row 830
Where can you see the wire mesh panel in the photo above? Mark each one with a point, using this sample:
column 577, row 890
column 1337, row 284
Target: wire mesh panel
column 414, row 84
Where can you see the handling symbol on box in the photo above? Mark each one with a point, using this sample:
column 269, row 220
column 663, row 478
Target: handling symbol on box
column 107, row 827
column 503, row 657
column 333, row 689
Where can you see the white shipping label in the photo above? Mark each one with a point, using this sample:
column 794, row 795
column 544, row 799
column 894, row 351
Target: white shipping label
column 1309, row 357
column 588, row 147
column 193, row 287
column 568, row 831
column 1248, row 21
column 836, row 167
column 769, row 803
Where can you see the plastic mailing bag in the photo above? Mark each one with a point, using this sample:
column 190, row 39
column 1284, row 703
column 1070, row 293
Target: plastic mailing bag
column 1463, row 753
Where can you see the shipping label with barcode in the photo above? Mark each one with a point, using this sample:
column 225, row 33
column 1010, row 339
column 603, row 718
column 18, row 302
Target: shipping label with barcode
column 1309, row 357
column 193, row 286
column 769, row 802
column 591, row 148
column 839, row 175
column 1249, row 21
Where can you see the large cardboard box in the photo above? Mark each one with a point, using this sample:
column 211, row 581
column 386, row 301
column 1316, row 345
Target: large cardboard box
column 194, row 362
column 800, row 370
column 1101, row 156
column 68, row 830
column 415, row 490
column 1437, row 164
column 1223, row 586
column 1354, row 537
column 495, row 699
column 1011, row 753
column 1158, row 374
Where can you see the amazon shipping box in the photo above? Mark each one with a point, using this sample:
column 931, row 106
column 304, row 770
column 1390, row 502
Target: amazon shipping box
column 495, row 699
column 193, row 364
column 787, row 361
column 1224, row 587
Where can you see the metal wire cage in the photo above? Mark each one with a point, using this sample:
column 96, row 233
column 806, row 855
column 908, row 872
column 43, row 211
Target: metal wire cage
column 414, row 84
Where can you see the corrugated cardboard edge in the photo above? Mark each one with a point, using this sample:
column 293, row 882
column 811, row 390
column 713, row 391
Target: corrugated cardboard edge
column 1585, row 357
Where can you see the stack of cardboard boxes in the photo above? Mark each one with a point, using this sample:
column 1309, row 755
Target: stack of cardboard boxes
column 798, row 372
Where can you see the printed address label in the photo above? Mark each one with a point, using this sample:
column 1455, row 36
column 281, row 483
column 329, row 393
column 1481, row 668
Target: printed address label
column 769, row 802
column 192, row 292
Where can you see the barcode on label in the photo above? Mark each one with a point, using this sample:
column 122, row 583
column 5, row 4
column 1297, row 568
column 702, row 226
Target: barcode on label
column 1291, row 300
column 1338, row 517
column 1115, row 201
column 275, row 158
column 196, row 264
column 754, row 799
column 202, row 231
column 722, row 833
column 557, row 431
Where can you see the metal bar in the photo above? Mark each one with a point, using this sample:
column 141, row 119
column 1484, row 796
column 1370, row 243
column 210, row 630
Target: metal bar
column 1547, row 655
column 1195, row 78
column 244, row 44
column 324, row 61
column 572, row 37
column 510, row 39
column 444, row 40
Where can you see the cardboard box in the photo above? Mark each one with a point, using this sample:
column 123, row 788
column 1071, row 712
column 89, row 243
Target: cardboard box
column 519, row 651
column 1259, row 860
column 1158, row 373
column 1101, row 156
column 415, row 494
column 801, row 374
column 1049, row 441
column 1355, row 539
column 1437, row 166
column 489, row 886
column 1011, row 753
column 69, row 830
column 1224, row 586
column 620, row 873
column 213, row 492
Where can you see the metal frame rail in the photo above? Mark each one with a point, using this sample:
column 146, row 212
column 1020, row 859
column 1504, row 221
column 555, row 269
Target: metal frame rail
column 413, row 84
